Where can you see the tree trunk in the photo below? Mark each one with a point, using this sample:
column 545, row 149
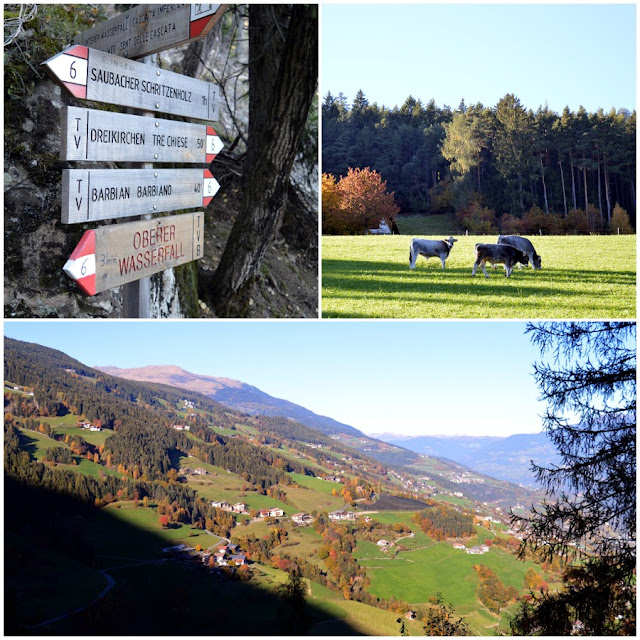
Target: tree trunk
column 607, row 195
column 520, row 192
column 544, row 187
column 584, row 175
column 573, row 183
column 283, row 72
column 600, row 190
column 564, row 191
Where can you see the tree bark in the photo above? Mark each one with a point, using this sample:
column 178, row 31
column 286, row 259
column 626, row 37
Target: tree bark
column 283, row 72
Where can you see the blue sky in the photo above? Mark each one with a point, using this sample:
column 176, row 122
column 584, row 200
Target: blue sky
column 393, row 376
column 571, row 54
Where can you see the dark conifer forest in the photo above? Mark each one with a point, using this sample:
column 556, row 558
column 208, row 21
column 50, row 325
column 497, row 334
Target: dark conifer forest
column 495, row 163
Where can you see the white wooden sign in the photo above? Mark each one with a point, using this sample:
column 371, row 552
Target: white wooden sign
column 100, row 194
column 95, row 75
column 149, row 28
column 114, row 255
column 88, row 134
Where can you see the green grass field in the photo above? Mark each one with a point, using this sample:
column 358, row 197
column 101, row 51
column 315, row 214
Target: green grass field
column 146, row 519
column 37, row 445
column 317, row 484
column 413, row 576
column 581, row 276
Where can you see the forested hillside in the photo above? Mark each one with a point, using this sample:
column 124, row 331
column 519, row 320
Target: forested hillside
column 503, row 167
column 171, row 498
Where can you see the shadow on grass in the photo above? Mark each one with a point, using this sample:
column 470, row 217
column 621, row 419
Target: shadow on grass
column 53, row 562
column 30, row 444
column 365, row 277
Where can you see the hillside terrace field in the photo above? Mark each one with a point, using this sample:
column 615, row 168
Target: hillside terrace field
column 426, row 567
column 37, row 444
column 581, row 276
column 415, row 575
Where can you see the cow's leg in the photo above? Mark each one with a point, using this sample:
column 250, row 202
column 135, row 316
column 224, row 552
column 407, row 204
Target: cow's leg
column 442, row 259
column 412, row 259
column 507, row 269
column 475, row 266
column 482, row 264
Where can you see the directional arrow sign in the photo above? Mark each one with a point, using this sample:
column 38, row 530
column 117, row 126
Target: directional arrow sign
column 95, row 75
column 149, row 28
column 88, row 134
column 99, row 194
column 111, row 256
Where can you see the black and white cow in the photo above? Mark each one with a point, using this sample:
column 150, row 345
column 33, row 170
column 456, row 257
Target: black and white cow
column 524, row 245
column 498, row 254
column 430, row 249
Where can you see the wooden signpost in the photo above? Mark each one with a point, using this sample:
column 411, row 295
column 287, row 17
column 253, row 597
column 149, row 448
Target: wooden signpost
column 100, row 194
column 95, row 75
column 111, row 256
column 149, row 28
column 88, row 134
column 127, row 254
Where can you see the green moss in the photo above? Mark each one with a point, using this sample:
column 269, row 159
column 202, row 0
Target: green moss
column 187, row 281
column 52, row 28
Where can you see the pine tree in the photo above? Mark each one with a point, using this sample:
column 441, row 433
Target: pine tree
column 588, row 378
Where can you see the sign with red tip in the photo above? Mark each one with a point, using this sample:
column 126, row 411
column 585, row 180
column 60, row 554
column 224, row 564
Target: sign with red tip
column 111, row 256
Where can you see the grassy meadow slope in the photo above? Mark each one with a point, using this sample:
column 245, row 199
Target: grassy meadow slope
column 80, row 546
column 581, row 276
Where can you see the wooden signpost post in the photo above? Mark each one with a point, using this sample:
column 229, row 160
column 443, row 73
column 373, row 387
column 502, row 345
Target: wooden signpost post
column 111, row 256
column 149, row 28
column 88, row 134
column 101, row 194
column 94, row 75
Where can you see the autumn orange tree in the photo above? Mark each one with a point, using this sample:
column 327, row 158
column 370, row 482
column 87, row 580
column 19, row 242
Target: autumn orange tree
column 355, row 203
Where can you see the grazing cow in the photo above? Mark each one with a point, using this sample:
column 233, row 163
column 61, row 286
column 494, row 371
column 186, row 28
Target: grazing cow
column 382, row 229
column 524, row 245
column 498, row 253
column 430, row 249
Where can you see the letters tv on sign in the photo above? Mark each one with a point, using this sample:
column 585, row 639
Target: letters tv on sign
column 89, row 134
column 101, row 194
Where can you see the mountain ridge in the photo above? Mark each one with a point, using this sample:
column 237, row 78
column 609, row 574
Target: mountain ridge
column 232, row 393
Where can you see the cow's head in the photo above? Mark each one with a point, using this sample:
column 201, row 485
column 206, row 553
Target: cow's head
column 537, row 261
column 450, row 241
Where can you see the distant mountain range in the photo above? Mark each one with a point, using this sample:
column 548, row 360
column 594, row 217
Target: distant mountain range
column 506, row 458
column 234, row 394
column 502, row 458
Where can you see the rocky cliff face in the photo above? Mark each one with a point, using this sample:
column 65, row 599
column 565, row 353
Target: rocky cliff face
column 36, row 243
